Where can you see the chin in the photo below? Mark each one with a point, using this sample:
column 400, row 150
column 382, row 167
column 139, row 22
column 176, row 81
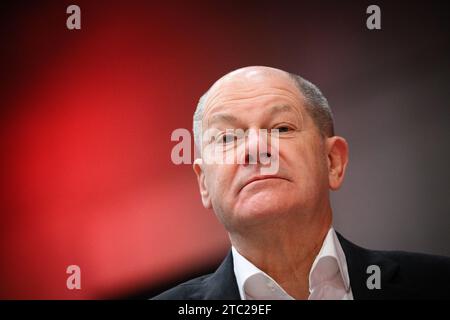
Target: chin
column 263, row 205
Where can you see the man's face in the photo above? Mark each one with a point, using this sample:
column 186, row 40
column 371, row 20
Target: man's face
column 262, row 100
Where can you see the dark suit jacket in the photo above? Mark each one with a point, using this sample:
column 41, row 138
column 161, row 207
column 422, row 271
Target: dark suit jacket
column 403, row 276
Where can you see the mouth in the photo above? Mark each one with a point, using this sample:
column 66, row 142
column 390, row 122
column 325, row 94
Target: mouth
column 260, row 179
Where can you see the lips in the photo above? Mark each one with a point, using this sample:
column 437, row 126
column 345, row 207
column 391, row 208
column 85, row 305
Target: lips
column 260, row 178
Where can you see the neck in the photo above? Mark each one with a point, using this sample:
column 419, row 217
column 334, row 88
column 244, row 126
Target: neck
column 285, row 249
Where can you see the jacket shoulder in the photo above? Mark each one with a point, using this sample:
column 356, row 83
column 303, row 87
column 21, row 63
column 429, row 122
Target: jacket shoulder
column 220, row 285
column 420, row 264
column 403, row 275
column 189, row 290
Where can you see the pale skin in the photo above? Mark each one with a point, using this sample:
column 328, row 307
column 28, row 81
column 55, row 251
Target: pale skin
column 278, row 223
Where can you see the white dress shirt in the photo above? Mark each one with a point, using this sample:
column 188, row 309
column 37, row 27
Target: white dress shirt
column 328, row 277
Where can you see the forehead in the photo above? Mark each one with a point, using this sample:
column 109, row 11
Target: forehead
column 252, row 89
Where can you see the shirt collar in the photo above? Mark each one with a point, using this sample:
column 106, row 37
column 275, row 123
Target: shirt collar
column 254, row 283
column 331, row 259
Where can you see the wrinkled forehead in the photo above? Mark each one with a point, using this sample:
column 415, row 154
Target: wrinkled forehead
column 251, row 85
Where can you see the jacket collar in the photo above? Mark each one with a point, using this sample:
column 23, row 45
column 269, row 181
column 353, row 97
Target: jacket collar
column 222, row 284
column 358, row 260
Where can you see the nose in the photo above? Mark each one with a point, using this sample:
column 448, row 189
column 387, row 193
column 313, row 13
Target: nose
column 257, row 148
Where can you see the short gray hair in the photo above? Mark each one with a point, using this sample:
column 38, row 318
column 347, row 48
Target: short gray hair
column 315, row 103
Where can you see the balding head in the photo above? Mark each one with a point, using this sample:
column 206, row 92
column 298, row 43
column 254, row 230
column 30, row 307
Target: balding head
column 255, row 74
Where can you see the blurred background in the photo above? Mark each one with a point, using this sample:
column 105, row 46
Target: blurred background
column 86, row 115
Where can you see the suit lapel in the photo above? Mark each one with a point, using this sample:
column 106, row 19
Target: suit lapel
column 222, row 284
column 358, row 260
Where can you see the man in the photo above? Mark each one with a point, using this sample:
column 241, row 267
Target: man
column 280, row 224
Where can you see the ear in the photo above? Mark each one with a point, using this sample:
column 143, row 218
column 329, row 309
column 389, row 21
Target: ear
column 337, row 149
column 198, row 169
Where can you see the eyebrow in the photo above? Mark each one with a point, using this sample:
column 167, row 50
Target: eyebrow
column 226, row 117
column 280, row 108
column 223, row 117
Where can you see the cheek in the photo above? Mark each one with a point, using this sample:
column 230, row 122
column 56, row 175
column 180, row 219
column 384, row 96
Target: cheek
column 219, row 181
column 308, row 165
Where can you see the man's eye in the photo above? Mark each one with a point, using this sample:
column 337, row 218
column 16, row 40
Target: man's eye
column 227, row 138
column 282, row 129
